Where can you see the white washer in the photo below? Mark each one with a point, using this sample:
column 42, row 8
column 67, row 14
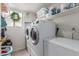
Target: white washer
column 41, row 30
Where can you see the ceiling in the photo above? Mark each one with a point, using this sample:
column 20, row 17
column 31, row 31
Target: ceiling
column 28, row 7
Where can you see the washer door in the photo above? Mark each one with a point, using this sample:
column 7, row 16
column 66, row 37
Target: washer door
column 27, row 32
column 34, row 35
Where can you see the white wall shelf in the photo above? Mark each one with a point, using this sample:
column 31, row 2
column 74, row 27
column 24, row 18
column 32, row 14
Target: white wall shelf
column 64, row 13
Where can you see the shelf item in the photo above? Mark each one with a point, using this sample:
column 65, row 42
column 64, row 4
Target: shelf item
column 42, row 12
column 54, row 11
column 69, row 5
column 2, row 40
column 64, row 13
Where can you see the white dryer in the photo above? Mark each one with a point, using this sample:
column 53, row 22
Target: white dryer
column 41, row 30
column 27, row 32
column 27, row 38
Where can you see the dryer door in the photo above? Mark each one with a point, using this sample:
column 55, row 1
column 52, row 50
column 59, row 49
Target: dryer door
column 27, row 33
column 34, row 35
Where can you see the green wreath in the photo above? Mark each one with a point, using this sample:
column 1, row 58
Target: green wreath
column 15, row 16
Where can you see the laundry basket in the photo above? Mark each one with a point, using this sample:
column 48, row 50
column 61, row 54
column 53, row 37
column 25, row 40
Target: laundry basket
column 6, row 50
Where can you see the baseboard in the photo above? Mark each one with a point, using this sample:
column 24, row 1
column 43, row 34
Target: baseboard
column 19, row 49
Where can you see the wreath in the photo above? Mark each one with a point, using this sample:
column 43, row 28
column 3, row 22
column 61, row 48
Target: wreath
column 15, row 16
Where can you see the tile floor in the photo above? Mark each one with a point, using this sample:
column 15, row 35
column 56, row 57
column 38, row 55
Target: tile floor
column 21, row 53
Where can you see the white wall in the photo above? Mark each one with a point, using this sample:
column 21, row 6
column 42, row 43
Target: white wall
column 66, row 24
column 28, row 17
column 16, row 34
column 69, row 20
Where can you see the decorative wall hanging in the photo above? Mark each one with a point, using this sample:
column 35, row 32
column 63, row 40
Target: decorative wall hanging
column 15, row 17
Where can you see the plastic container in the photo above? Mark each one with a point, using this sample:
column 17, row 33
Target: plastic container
column 6, row 50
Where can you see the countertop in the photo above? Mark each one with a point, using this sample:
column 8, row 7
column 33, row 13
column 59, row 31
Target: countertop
column 66, row 43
